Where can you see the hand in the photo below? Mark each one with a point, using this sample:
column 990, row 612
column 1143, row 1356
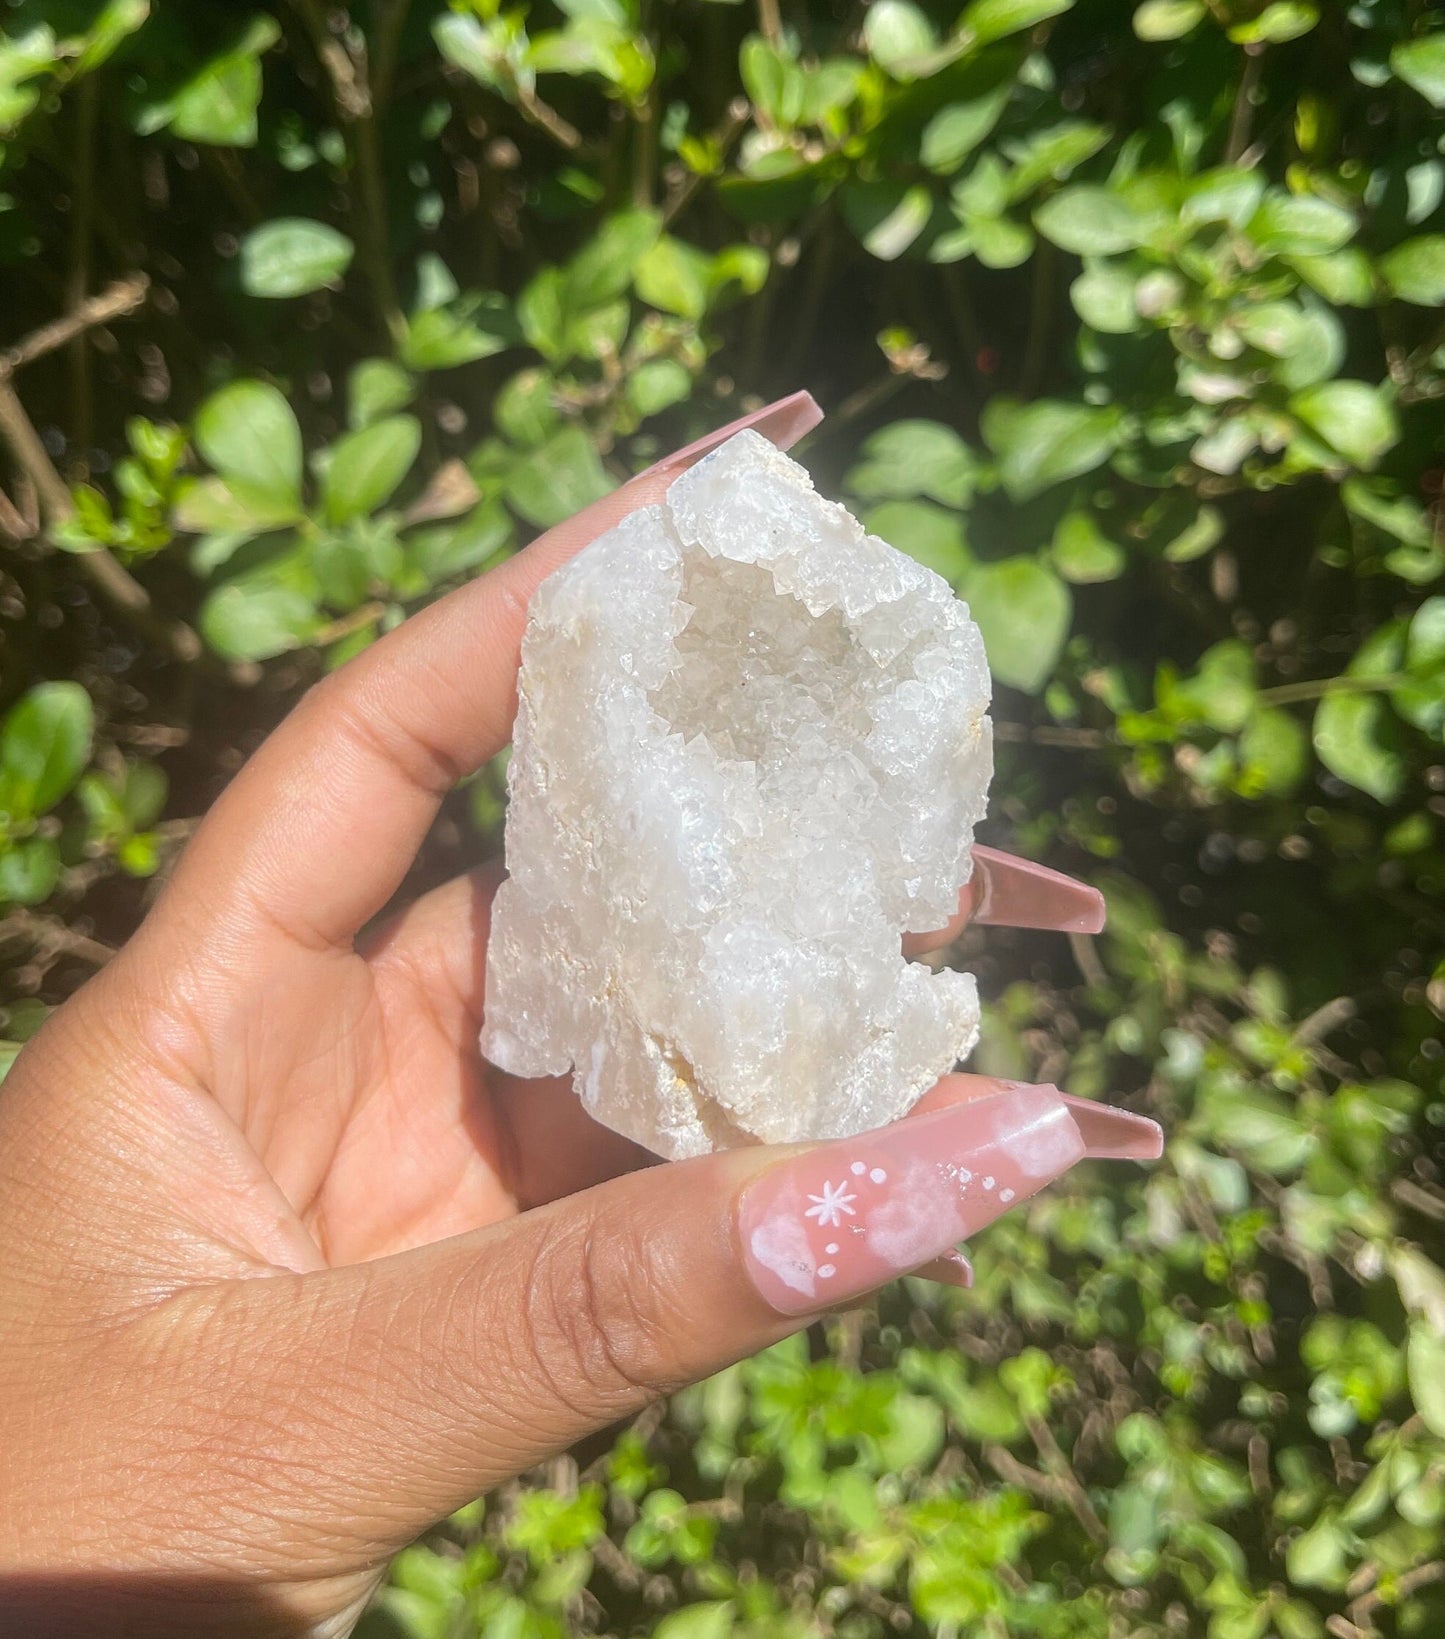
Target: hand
column 289, row 1273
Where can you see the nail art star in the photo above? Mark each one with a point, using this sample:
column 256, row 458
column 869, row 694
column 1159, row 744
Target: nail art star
column 829, row 1207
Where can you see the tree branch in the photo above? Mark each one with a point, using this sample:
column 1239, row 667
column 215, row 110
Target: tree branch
column 115, row 302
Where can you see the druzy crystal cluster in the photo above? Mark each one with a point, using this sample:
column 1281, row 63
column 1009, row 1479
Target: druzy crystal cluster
column 751, row 749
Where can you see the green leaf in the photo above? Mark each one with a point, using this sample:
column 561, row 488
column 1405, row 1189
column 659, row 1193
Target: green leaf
column 1425, row 1361
column 993, row 19
column 1167, row 19
column 1349, row 739
column 1415, row 271
column 293, row 256
column 209, row 506
column 1272, row 754
column 1352, row 417
column 1320, row 1557
column 656, row 385
column 29, row 871
column 1344, row 278
column 886, row 216
column 605, row 268
column 44, row 746
column 1094, row 221
column 1421, row 65
column 897, row 34
column 1198, row 537
column 218, row 104
column 525, row 410
column 248, row 433
column 1024, row 612
column 1300, row 225
column 463, row 329
column 1049, row 441
column 910, row 458
column 1082, row 553
column 557, row 479
column 377, row 387
column 1279, row 22
column 256, row 617
column 1421, row 700
column 1103, row 297
column 957, row 128
column 926, row 532
column 712, row 1620
column 674, row 277
column 363, row 469
column 450, row 550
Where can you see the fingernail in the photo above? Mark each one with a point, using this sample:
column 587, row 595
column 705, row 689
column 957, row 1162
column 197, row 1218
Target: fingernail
column 1008, row 892
column 782, row 423
column 1115, row 1135
column 847, row 1216
column 952, row 1269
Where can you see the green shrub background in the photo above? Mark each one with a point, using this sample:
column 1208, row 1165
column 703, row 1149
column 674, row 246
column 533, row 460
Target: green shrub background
column 1128, row 320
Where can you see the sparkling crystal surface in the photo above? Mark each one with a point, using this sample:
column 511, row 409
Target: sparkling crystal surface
column 751, row 749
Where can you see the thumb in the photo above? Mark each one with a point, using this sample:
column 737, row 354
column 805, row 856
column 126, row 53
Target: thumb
column 433, row 1374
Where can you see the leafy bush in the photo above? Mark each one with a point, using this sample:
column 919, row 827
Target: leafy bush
column 1129, row 321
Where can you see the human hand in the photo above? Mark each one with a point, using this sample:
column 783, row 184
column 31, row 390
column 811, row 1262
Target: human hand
column 290, row 1273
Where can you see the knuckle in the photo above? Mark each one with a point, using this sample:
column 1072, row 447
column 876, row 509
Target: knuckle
column 603, row 1325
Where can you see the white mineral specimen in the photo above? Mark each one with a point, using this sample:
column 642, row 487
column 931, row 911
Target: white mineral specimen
column 752, row 746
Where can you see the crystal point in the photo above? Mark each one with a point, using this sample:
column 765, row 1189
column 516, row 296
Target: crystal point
column 751, row 747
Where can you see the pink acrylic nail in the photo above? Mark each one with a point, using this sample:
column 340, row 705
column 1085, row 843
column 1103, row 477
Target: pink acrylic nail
column 952, row 1269
column 782, row 423
column 1112, row 1134
column 1008, row 892
column 847, row 1216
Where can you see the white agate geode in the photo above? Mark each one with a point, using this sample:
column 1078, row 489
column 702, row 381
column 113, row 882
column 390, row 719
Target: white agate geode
column 751, row 749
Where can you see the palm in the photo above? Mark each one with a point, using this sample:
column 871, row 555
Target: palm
column 356, row 1091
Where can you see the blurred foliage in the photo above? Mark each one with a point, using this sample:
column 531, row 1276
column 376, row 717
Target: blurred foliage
column 1129, row 318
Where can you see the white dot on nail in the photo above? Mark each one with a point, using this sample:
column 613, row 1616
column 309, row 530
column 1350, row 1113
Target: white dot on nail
column 831, row 1248
column 988, row 1183
column 826, row 1271
column 857, row 1169
column 1005, row 1195
column 878, row 1175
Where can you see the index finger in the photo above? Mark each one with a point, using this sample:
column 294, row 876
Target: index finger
column 317, row 831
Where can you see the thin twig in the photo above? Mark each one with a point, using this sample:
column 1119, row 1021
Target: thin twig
column 115, row 302
column 1291, row 693
column 356, row 108
column 1243, row 116
column 115, row 584
column 48, row 933
column 770, row 22
column 1073, row 739
column 544, row 115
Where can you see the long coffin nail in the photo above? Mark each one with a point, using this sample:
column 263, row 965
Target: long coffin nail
column 847, row 1216
column 952, row 1269
column 782, row 423
column 1009, row 892
column 1110, row 1134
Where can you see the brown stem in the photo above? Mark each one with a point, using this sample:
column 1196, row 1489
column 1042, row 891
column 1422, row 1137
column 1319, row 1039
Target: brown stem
column 1316, row 688
column 78, row 279
column 1242, row 118
column 115, row 302
column 390, row 22
column 50, row 934
column 770, row 22
column 114, row 583
column 1041, row 307
column 544, row 115
column 357, row 110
